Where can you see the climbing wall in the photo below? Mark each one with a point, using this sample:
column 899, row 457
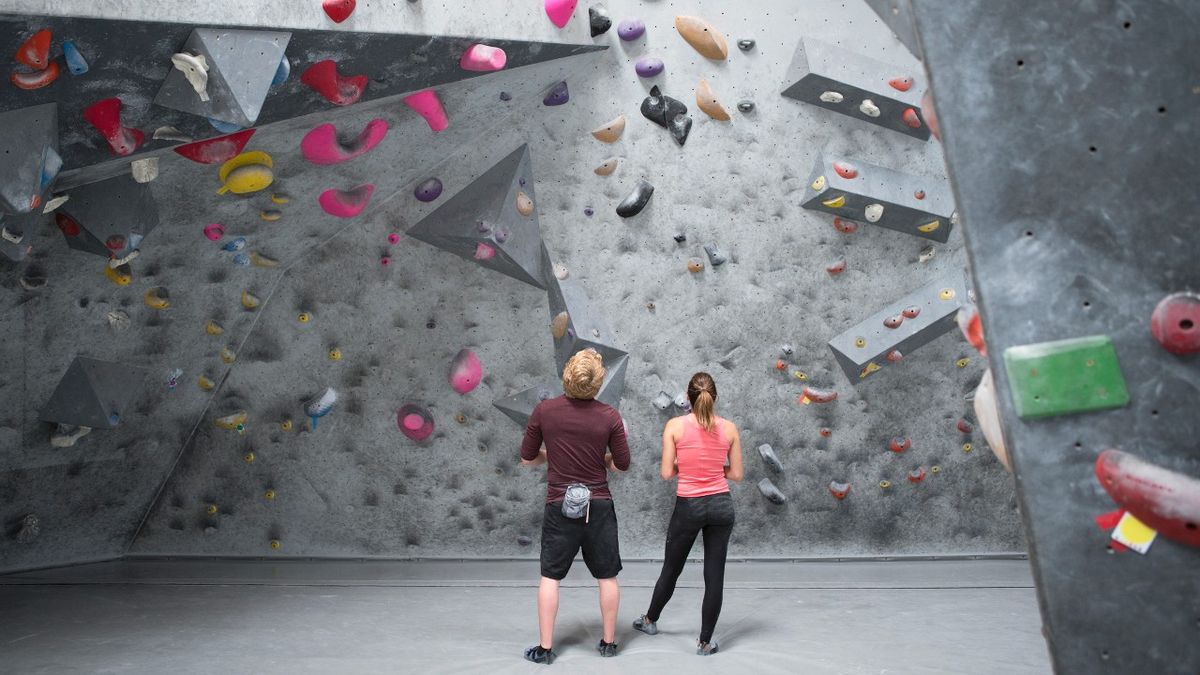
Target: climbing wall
column 352, row 482
column 1077, row 210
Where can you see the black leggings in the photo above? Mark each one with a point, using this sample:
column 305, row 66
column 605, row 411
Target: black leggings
column 714, row 515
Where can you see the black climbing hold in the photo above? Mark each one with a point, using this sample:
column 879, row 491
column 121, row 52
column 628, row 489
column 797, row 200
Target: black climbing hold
column 680, row 237
column 746, row 105
column 680, row 127
column 636, row 201
column 662, row 109
column 715, row 255
column 505, row 96
column 599, row 19
column 524, row 540
column 745, row 44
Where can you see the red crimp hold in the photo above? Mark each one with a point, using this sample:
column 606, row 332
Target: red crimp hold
column 964, row 427
column 67, row 224
column 911, row 118
column 916, row 475
column 839, row 490
column 899, row 444
column 811, row 395
column 901, row 83
column 36, row 79
column 1175, row 323
column 105, row 116
column 893, row 321
column 324, row 79
column 216, row 150
column 894, row 356
column 338, row 10
column 919, row 194
column 1109, row 519
column 846, row 226
column 972, row 328
column 911, row 312
column 825, row 432
column 837, row 267
column 845, row 170
column 780, row 365
column 1164, row 500
column 35, row 52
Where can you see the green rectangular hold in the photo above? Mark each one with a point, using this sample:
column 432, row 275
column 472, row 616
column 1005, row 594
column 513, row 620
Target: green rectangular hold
column 1065, row 377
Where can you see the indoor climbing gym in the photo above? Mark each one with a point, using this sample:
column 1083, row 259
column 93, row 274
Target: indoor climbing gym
column 822, row 337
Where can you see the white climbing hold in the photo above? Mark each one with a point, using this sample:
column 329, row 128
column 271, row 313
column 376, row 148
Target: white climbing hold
column 873, row 212
column 195, row 68
column 171, row 134
column 560, row 271
column 123, row 260
column 831, row 97
column 868, row 108
column 55, row 202
column 144, row 170
column 926, row 254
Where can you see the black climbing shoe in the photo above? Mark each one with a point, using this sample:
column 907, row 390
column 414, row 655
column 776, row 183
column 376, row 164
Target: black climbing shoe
column 645, row 625
column 539, row 655
column 607, row 648
column 707, row 649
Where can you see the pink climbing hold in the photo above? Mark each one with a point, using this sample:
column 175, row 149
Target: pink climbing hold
column 899, row 444
column 214, row 231
column 845, row 170
column 465, row 371
column 385, row 260
column 105, row 116
column 483, row 59
column 911, row 312
column 837, row 267
column 338, row 89
column 1175, row 323
column 338, row 10
column 484, row 252
column 845, row 226
column 346, row 203
column 414, row 422
column 895, row 356
column 560, row 11
column 426, row 104
column 393, row 238
column 321, row 145
column 216, row 150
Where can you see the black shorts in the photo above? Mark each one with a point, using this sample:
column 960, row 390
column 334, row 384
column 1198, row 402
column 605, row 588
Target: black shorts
column 562, row 537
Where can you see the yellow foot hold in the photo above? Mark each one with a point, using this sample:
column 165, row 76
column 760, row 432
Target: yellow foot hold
column 929, row 227
column 234, row 422
column 228, row 355
column 271, row 215
column 285, row 425
column 121, row 276
column 260, row 260
column 248, row 458
column 248, row 172
column 835, row 203
column 213, row 328
column 249, row 300
column 157, row 298
column 335, row 354
column 304, row 317
column 205, row 383
column 280, row 198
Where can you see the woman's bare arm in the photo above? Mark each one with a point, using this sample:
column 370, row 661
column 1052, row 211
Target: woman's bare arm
column 734, row 471
column 670, row 467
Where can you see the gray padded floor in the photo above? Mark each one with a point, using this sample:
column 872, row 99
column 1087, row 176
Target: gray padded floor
column 237, row 616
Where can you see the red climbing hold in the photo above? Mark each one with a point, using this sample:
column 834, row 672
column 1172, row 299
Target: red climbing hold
column 106, row 117
column 972, row 328
column 1175, row 323
column 899, row 444
column 35, row 52
column 845, row 170
column 916, row 475
column 901, row 83
column 911, row 312
column 36, row 79
column 839, row 490
column 911, row 118
column 216, row 150
column 813, row 395
column 825, row 432
column 780, row 365
column 1164, row 500
column 837, row 267
column 67, row 224
column 964, row 426
column 894, row 356
column 893, row 321
column 324, row 79
column 919, row 194
column 846, row 226
column 338, row 10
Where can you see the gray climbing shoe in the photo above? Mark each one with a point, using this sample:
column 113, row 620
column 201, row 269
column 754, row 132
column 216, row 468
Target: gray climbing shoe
column 707, row 649
column 538, row 655
column 645, row 625
column 607, row 648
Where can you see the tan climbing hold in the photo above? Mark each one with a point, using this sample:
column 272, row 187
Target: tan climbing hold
column 610, row 132
column 213, row 328
column 607, row 166
column 703, row 37
column 558, row 325
column 144, row 170
column 157, row 298
column 249, row 300
column 270, row 215
column 248, row 458
column 228, row 355
column 695, row 265
column 260, row 260
column 205, row 383
column 524, row 204
column 560, row 271
column 871, row 367
column 280, row 198
column 707, row 101
column 233, row 421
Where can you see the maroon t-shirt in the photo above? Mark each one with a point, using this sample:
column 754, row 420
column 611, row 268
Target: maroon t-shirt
column 576, row 433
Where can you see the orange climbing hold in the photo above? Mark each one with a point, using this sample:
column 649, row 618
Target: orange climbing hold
column 36, row 79
column 814, row 395
column 910, row 118
column 901, row 83
column 35, row 52
column 839, row 490
column 899, row 444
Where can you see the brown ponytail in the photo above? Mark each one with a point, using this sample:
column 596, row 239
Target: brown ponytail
column 702, row 393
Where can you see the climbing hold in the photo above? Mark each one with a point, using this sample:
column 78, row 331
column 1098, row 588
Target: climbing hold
column 598, row 20
column 967, row 447
column 910, row 118
column 707, row 101
column 935, row 469
column 55, row 202
column 304, row 317
column 846, row 226
column 926, row 254
column 768, row 455
column 800, row 375
column 662, row 401
column 484, row 251
column 930, row 114
column 607, row 166
column 837, row 267
column 338, row 10
column 610, row 132
column 321, row 145
column 282, row 72
column 35, row 52
column 248, row 458
column 385, row 260
column 558, row 95
column 560, row 271
column 213, row 328
column 323, row 78
column 269, row 495
column 814, row 395
column 157, row 298
column 483, row 59
column 868, row 369
column 319, row 406
column 772, row 493
column 414, row 421
column 911, row 312
column 715, row 256
column 144, row 170
column 105, row 116
column 946, row 294
column 745, row 44
column 636, row 200
column 786, row 349
column 695, row 265
column 393, row 238
column 276, row 544
column 703, row 37
column 661, row 109
column 893, row 321
column 1166, row 501
column 680, row 127
column 648, row 66
column 560, row 11
column 839, row 490
column 873, row 212
column 223, row 127
column 825, row 432
column 279, row 198
column 860, row 342
column 524, row 204
column 901, row 83
column 169, row 133
column 559, row 324
column 835, row 202
column 228, row 355
column 465, row 371
column 122, row 275
column 249, row 300
column 195, row 69
column 894, row 356
column 428, row 190
column 233, row 422
column 1175, row 323
column 214, row 150
column 962, row 363
column 679, row 237
column 205, row 383
column 285, row 425
column 211, row 509
column 868, row 108
column 819, row 183
column 247, row 173
column 631, row 29
column 885, row 484
column 899, row 444
column 919, row 194
column 745, row 105
column 427, row 104
column 335, row 354
column 235, row 244
column 346, row 203
column 37, row 79
column 845, row 170
column 916, row 475
column 241, row 260
column 259, row 260
column 964, row 427
column 831, row 97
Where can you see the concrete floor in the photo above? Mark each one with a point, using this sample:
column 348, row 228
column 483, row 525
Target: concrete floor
column 239, row 616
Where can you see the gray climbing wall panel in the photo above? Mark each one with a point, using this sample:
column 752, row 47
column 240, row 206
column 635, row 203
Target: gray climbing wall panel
column 1070, row 137
column 109, row 216
column 28, row 138
column 93, row 393
column 897, row 14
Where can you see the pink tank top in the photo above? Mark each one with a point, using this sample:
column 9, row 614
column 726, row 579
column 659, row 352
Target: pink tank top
column 701, row 456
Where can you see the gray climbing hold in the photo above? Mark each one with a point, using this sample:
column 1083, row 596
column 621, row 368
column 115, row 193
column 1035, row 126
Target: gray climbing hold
column 662, row 109
column 524, row 540
column 745, row 105
column 715, row 255
column 745, row 44
column 680, row 127
column 599, row 20
column 30, row 529
column 772, row 493
column 662, row 401
column 682, row 402
column 680, row 237
column 768, row 455
column 636, row 201
column 787, row 349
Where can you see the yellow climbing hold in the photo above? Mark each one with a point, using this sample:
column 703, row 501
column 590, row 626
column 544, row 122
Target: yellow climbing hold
column 524, row 204
column 819, row 183
column 967, row 447
column 946, row 294
column 228, row 355
column 285, row 425
column 870, row 368
column 929, row 227
column 248, row 172
column 335, row 354
column 157, row 298
column 800, row 375
column 260, row 260
column 270, row 215
column 269, row 495
column 860, row 342
column 304, row 317
column 885, row 484
column 213, row 328
column 248, row 458
column 233, row 422
column 275, row 544
column 121, row 276
column 212, row 509
column 249, row 300
column 935, row 469
column 835, row 203
column 280, row 198
column 205, row 383
column 962, row 363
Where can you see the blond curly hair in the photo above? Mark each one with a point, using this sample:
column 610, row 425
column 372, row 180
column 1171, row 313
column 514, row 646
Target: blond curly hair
column 584, row 374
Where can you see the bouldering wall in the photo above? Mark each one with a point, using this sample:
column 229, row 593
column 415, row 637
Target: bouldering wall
column 379, row 319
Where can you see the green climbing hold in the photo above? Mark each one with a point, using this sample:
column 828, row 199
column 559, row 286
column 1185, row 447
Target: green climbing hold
column 1065, row 377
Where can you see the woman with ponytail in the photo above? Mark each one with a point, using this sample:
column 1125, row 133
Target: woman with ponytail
column 704, row 451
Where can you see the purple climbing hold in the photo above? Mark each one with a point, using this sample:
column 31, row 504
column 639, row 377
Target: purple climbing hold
column 648, row 66
column 588, row 211
column 631, row 29
column 429, row 190
column 558, row 95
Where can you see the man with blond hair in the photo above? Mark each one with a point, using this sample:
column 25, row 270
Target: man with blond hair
column 570, row 434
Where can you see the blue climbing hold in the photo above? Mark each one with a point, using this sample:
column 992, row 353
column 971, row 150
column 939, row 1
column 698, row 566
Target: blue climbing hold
column 282, row 72
column 235, row 245
column 223, row 127
column 241, row 260
column 75, row 61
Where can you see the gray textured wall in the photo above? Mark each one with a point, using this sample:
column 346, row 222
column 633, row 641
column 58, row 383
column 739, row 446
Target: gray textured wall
column 356, row 486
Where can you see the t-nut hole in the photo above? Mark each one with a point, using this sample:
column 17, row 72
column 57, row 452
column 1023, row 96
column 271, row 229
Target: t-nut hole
column 1187, row 324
